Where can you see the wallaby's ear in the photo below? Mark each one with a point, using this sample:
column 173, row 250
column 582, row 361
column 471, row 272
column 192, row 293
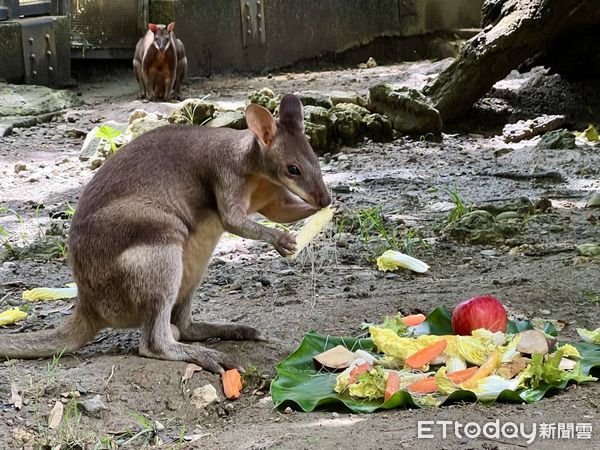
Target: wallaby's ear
column 291, row 114
column 261, row 123
column 171, row 27
column 152, row 27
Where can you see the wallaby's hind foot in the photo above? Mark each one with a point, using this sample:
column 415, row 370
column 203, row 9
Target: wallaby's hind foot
column 201, row 331
column 207, row 358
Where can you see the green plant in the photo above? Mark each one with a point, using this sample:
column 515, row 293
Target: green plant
column 109, row 134
column 147, row 430
column 61, row 250
column 591, row 296
column 460, row 209
column 52, row 366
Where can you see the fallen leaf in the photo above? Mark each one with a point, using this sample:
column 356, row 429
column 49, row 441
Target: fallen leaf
column 15, row 398
column 190, row 369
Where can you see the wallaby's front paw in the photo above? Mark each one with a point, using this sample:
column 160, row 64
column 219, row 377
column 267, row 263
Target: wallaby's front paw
column 284, row 243
column 215, row 361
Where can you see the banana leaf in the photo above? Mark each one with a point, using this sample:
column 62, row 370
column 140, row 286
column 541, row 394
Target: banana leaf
column 301, row 385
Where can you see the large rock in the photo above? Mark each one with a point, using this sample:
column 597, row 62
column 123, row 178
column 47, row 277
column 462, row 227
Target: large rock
column 26, row 105
column 192, row 111
column 348, row 125
column 228, row 119
column 317, row 136
column 408, row 110
column 377, row 127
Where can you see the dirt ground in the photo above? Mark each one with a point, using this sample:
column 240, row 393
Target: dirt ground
column 333, row 289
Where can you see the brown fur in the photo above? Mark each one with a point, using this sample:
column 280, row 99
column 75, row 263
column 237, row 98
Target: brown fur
column 147, row 223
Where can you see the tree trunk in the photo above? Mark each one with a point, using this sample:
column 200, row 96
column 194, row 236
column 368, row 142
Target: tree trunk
column 516, row 30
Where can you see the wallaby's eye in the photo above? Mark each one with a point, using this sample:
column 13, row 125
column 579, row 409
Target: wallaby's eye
column 293, row 170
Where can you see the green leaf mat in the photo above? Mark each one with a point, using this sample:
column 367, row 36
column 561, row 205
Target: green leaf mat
column 299, row 384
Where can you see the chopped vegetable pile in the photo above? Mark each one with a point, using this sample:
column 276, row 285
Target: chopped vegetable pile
column 409, row 361
column 431, row 367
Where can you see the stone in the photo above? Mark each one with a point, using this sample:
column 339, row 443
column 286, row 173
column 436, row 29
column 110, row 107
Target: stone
column 318, row 115
column 557, row 139
column 313, row 98
column 347, row 97
column 95, row 148
column 407, row 109
column 479, row 227
column 192, row 111
column 506, row 215
column 92, row 406
column 32, row 100
column 228, row 119
column 20, row 167
column 204, row 396
column 351, row 106
column 317, row 137
column 521, row 205
column 589, row 250
column 593, row 202
column 377, row 127
column 142, row 125
column 265, row 97
column 526, row 129
column 348, row 125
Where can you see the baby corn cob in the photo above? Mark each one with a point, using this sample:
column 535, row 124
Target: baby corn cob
column 312, row 228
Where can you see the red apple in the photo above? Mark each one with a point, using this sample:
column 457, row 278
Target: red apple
column 483, row 311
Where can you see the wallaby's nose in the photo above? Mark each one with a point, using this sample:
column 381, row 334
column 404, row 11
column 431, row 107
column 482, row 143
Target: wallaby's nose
column 325, row 199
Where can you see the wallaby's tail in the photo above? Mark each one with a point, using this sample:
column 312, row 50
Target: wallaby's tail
column 69, row 336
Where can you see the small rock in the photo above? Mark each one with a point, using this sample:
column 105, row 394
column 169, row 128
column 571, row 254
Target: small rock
column 265, row 401
column 508, row 215
column 20, row 167
column 490, row 252
column 335, row 415
column 526, row 129
column 204, row 396
column 590, row 250
column 545, row 312
column 92, row 406
column 594, row 201
column 557, row 139
column 288, row 410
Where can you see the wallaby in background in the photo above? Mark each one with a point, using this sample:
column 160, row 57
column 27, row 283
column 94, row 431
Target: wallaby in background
column 147, row 223
column 159, row 63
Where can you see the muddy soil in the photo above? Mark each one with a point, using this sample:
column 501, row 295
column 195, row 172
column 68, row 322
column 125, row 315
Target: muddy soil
column 333, row 289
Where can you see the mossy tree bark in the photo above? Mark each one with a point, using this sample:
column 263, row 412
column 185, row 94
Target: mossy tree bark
column 514, row 31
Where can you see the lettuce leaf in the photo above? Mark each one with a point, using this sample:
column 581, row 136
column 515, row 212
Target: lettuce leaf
column 547, row 371
column 593, row 337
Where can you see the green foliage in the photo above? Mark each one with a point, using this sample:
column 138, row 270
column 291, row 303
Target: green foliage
column 109, row 134
column 460, row 209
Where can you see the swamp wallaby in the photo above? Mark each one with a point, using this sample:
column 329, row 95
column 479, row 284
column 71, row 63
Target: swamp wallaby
column 147, row 223
column 159, row 63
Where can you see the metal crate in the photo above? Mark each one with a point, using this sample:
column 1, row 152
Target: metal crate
column 106, row 28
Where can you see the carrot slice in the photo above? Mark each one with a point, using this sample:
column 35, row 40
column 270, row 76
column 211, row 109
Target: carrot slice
column 232, row 383
column 414, row 320
column 426, row 355
column 356, row 371
column 392, row 385
column 424, row 386
column 461, row 375
column 428, row 385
